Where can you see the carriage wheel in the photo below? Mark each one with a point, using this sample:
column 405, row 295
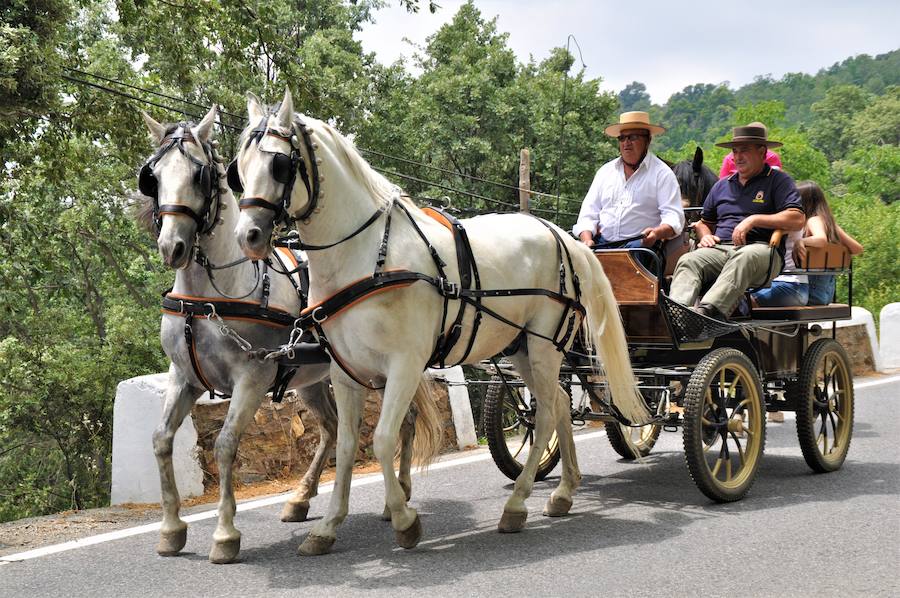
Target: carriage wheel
column 509, row 427
column 824, row 396
column 724, row 425
column 632, row 442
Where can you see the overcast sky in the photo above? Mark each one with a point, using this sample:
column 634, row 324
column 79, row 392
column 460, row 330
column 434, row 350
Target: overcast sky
column 665, row 44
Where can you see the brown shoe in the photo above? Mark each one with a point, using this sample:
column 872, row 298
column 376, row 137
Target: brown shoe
column 776, row 417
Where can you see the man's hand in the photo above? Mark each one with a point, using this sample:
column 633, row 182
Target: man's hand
column 709, row 241
column 587, row 238
column 739, row 236
column 650, row 237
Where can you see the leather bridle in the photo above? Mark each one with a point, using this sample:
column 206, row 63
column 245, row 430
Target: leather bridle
column 284, row 170
column 206, row 178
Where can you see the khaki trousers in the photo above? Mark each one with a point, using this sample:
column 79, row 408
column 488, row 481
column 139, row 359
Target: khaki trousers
column 727, row 271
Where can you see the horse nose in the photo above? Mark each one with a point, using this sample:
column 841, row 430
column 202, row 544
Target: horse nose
column 173, row 254
column 254, row 236
column 178, row 252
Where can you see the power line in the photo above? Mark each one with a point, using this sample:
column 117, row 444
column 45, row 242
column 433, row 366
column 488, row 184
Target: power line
column 138, row 99
column 150, row 91
column 456, row 173
column 241, row 119
column 384, row 171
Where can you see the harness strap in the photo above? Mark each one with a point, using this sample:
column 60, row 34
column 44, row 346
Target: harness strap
column 226, row 309
column 192, row 352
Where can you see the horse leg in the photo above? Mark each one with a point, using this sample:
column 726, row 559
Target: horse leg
column 244, row 402
column 407, row 435
column 536, row 366
column 560, row 500
column 179, row 399
column 350, row 399
column 398, row 394
column 318, row 399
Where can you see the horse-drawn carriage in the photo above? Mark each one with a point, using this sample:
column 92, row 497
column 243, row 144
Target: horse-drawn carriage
column 385, row 304
column 715, row 380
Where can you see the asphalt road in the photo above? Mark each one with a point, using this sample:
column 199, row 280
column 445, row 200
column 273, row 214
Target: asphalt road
column 635, row 529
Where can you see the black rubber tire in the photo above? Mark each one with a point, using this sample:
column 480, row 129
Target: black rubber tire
column 622, row 439
column 502, row 414
column 705, row 427
column 824, row 405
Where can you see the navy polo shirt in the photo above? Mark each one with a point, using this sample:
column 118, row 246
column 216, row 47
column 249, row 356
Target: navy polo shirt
column 728, row 202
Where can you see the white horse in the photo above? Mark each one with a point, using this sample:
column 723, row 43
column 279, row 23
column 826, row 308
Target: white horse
column 190, row 204
column 388, row 338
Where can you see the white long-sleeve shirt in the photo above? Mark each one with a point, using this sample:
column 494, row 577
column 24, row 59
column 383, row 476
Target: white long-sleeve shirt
column 623, row 209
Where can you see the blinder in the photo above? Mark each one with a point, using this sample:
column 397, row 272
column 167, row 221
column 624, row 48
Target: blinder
column 285, row 168
column 203, row 179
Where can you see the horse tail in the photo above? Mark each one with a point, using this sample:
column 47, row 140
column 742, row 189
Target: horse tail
column 429, row 435
column 603, row 329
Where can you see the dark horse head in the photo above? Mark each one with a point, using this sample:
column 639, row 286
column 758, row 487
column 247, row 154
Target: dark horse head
column 695, row 180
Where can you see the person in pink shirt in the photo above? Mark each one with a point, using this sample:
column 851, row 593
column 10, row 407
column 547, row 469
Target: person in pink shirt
column 729, row 169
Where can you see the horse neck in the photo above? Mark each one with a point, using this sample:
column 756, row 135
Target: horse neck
column 346, row 205
column 220, row 249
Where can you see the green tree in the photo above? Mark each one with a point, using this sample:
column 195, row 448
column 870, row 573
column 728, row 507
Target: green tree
column 830, row 130
column 879, row 122
column 473, row 108
column 634, row 97
column 29, row 61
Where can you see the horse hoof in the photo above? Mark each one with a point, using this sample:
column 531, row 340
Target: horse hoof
column 294, row 511
column 557, row 507
column 315, row 545
column 511, row 523
column 409, row 537
column 386, row 514
column 171, row 543
column 225, row 552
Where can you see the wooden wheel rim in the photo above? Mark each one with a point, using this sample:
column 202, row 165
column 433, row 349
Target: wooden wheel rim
column 732, row 425
column 519, row 423
column 832, row 406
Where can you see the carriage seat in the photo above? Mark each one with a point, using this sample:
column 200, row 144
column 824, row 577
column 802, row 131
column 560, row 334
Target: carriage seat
column 830, row 260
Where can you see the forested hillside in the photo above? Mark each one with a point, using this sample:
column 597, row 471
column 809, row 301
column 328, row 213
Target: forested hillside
column 81, row 282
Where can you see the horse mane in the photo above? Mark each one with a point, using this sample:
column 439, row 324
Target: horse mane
column 376, row 184
column 142, row 212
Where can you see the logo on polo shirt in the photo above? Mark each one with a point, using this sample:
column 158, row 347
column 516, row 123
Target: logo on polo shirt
column 760, row 197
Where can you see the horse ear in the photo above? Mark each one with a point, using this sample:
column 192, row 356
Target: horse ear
column 286, row 112
column 157, row 131
column 255, row 108
column 697, row 164
column 202, row 131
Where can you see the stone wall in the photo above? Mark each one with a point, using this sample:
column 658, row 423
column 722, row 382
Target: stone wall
column 282, row 438
column 855, row 340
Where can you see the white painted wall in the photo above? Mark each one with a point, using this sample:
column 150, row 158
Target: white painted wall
column 136, row 414
column 890, row 336
column 460, row 406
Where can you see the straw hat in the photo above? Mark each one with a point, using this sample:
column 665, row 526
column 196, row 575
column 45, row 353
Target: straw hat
column 754, row 133
column 633, row 120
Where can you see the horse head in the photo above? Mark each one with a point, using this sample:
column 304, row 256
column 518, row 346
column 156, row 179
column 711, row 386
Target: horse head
column 695, row 179
column 275, row 151
column 181, row 179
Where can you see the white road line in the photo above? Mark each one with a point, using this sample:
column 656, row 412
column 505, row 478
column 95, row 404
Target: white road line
column 280, row 498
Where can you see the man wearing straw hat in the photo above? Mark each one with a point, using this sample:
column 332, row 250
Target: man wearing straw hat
column 739, row 216
column 634, row 200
